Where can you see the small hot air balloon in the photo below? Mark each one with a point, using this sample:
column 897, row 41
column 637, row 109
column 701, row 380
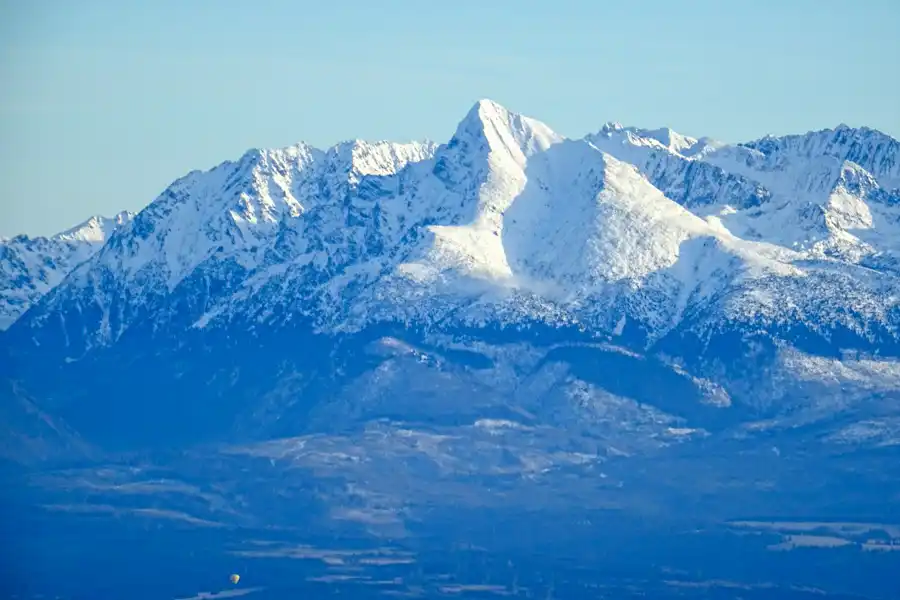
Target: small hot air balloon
column 235, row 578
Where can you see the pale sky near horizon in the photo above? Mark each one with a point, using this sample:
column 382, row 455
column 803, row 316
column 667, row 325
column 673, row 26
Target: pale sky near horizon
column 104, row 102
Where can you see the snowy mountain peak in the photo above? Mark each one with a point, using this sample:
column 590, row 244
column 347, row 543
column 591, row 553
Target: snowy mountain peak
column 31, row 267
column 95, row 230
column 660, row 139
column 490, row 128
column 672, row 140
column 611, row 126
column 381, row 158
column 876, row 152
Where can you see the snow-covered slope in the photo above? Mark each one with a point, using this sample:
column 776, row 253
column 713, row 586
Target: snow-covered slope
column 872, row 150
column 835, row 223
column 806, row 193
column 30, row 267
column 684, row 250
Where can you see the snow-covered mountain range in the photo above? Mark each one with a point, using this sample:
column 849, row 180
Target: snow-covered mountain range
column 747, row 271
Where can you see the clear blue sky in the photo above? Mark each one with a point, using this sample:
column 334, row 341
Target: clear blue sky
column 103, row 103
